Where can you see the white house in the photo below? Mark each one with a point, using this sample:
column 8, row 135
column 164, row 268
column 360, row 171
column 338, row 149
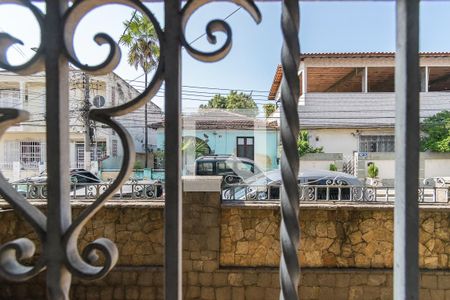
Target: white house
column 347, row 100
column 23, row 147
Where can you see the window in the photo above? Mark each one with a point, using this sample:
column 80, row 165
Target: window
column 224, row 168
column 376, row 143
column 245, row 147
column 205, row 168
column 30, row 154
column 245, row 167
column 98, row 151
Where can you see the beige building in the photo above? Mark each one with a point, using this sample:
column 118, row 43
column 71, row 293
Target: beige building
column 347, row 100
column 23, row 147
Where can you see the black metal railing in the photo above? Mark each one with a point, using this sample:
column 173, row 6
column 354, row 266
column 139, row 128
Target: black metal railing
column 59, row 232
column 332, row 193
column 86, row 191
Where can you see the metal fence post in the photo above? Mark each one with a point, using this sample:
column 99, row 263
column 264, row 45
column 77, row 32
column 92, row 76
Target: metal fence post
column 173, row 206
column 406, row 213
column 57, row 107
column 290, row 93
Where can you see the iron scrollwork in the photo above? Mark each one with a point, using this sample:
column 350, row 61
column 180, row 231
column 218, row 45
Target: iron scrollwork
column 79, row 264
column 82, row 265
column 212, row 27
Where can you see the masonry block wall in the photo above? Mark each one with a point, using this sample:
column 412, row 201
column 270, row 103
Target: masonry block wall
column 231, row 251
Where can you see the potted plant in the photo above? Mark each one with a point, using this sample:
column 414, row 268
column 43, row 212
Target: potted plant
column 372, row 174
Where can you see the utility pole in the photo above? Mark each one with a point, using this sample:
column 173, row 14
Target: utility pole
column 87, row 122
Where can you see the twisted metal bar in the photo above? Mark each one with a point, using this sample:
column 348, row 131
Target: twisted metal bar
column 290, row 92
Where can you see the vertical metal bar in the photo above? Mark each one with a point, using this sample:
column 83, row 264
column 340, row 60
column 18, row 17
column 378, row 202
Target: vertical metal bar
column 146, row 124
column 406, row 215
column 173, row 206
column 57, row 108
column 290, row 93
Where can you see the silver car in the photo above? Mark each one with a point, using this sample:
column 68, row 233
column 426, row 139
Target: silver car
column 313, row 184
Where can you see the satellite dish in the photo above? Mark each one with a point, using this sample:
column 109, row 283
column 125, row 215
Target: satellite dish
column 99, row 101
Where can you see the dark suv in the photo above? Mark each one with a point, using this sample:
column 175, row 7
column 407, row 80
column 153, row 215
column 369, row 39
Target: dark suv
column 233, row 169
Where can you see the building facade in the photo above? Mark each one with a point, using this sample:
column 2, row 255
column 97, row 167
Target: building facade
column 242, row 134
column 347, row 101
column 23, row 147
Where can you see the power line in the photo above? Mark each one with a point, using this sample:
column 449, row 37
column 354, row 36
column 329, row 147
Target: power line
column 202, row 35
column 15, row 46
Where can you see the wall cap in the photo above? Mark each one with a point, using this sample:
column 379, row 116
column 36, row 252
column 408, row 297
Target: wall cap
column 275, row 205
column 202, row 183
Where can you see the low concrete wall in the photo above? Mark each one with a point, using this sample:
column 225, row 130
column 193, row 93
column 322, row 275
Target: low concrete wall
column 321, row 161
column 231, row 251
column 430, row 165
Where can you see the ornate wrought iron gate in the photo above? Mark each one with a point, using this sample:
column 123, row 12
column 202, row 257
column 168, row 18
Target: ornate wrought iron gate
column 58, row 232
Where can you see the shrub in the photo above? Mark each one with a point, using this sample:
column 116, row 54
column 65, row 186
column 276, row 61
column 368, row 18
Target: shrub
column 333, row 167
column 372, row 171
column 138, row 165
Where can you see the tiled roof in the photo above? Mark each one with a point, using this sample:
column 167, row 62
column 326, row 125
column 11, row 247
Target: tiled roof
column 366, row 54
column 275, row 83
column 220, row 119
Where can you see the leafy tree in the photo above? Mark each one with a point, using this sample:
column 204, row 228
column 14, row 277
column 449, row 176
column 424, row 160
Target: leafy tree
column 303, row 145
column 200, row 147
column 437, row 133
column 269, row 109
column 141, row 39
column 232, row 101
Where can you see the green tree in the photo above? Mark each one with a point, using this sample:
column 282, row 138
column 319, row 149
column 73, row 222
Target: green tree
column 233, row 101
column 303, row 145
column 143, row 52
column 437, row 133
column 200, row 147
column 269, row 109
column 142, row 41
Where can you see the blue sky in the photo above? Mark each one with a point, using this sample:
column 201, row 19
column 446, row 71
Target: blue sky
column 325, row 27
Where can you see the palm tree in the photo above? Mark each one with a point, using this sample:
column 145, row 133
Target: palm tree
column 142, row 41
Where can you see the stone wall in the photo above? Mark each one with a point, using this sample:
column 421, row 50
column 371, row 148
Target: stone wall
column 231, row 251
column 341, row 237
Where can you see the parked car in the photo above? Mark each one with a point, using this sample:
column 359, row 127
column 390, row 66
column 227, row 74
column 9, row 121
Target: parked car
column 233, row 169
column 82, row 183
column 266, row 186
